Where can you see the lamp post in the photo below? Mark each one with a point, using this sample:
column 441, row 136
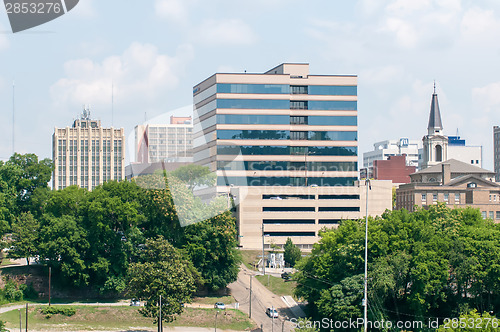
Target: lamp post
column 365, row 299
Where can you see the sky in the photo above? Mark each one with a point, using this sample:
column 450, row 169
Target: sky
column 146, row 56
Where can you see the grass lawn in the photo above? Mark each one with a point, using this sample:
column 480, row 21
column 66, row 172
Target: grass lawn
column 251, row 258
column 213, row 299
column 88, row 318
column 277, row 285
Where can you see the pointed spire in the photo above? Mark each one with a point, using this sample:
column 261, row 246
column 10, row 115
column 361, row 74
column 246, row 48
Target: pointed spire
column 435, row 125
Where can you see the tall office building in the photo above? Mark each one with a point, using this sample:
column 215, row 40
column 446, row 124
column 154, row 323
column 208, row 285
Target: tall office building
column 289, row 127
column 285, row 144
column 87, row 154
column 163, row 142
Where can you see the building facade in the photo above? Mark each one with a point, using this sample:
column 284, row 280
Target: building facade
column 87, row 154
column 455, row 183
column 394, row 169
column 156, row 143
column 496, row 152
column 283, row 129
column 390, row 148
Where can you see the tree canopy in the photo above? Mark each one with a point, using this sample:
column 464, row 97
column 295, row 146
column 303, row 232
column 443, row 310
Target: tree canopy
column 429, row 263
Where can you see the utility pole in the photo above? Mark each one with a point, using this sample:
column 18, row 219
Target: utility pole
column 50, row 276
column 250, row 310
column 272, row 319
column 365, row 299
column 263, row 258
column 160, row 327
column 26, row 317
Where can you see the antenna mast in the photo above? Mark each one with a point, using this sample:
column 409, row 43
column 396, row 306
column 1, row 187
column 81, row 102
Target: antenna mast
column 13, row 117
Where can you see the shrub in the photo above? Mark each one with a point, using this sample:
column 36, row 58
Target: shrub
column 51, row 310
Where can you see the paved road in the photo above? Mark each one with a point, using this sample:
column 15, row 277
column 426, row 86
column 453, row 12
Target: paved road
column 262, row 298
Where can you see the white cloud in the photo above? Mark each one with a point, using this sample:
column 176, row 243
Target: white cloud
column 140, row 74
column 479, row 25
column 487, row 98
column 175, row 10
column 84, row 9
column 229, row 31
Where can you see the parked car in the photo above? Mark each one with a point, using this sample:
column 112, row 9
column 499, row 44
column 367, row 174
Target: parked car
column 286, row 276
column 220, row 305
column 271, row 312
column 135, row 303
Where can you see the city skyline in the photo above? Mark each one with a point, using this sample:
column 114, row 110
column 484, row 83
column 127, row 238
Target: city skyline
column 397, row 48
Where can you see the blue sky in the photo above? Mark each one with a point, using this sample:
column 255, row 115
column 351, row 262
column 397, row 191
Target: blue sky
column 155, row 51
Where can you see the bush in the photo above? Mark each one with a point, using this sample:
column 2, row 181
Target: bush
column 29, row 291
column 50, row 311
column 11, row 291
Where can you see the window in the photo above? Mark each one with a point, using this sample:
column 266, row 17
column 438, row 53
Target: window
column 253, row 134
column 333, row 105
column 253, row 103
column 424, row 198
column 320, row 120
column 298, row 105
column 254, row 88
column 434, row 197
column 492, row 215
column 498, row 215
column 298, row 120
column 483, row 214
column 333, row 135
column 333, row 90
column 298, row 135
column 457, row 198
column 446, row 195
column 252, row 119
column 298, row 89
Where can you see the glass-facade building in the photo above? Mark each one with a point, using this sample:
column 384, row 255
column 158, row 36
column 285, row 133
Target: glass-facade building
column 306, row 123
column 285, row 144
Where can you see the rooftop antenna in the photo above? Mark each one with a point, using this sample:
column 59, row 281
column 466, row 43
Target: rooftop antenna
column 434, row 86
column 13, row 117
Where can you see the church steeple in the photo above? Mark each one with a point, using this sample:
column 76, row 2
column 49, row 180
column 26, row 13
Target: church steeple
column 435, row 126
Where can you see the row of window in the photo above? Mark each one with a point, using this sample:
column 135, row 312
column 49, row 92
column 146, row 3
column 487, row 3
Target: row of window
column 335, row 90
column 310, row 209
column 287, row 150
column 312, row 120
column 491, row 214
column 284, row 181
column 334, row 166
column 286, row 134
column 338, row 196
column 323, row 105
column 300, row 221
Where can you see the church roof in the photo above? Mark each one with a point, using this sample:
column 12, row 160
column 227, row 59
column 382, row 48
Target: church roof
column 435, row 114
column 456, row 166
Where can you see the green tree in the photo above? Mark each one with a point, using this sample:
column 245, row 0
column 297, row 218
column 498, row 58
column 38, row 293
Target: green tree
column 305, row 325
column 34, row 174
column 25, row 237
column 162, row 270
column 63, row 246
column 211, row 246
column 292, row 253
column 110, row 216
column 194, row 175
column 471, row 322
